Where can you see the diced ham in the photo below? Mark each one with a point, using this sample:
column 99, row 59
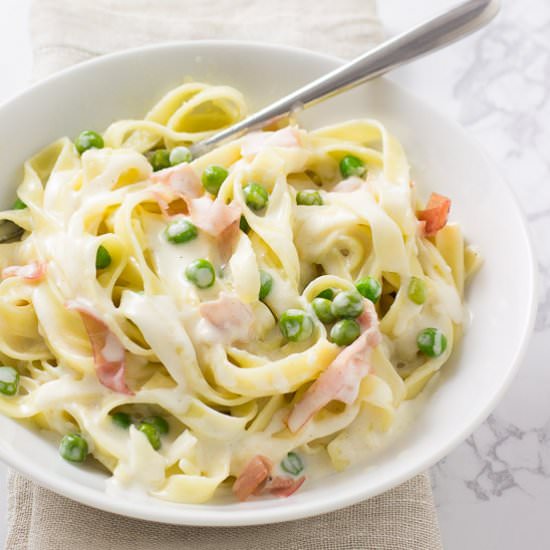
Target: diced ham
column 342, row 378
column 181, row 182
column 109, row 353
column 175, row 188
column 253, row 476
column 169, row 204
column 348, row 185
column 256, row 479
column 211, row 215
column 254, row 142
column 214, row 216
column 182, row 179
column 227, row 241
column 368, row 320
column 163, row 200
column 435, row 214
column 219, row 220
column 229, row 316
column 33, row 272
column 421, row 229
column 284, row 486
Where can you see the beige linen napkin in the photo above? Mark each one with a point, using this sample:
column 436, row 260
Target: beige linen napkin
column 69, row 31
column 401, row 519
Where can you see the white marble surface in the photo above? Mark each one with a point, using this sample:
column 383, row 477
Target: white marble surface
column 493, row 492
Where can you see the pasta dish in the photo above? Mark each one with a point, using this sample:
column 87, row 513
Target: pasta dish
column 222, row 323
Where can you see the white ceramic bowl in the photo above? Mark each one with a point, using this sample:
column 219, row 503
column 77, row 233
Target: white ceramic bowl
column 443, row 158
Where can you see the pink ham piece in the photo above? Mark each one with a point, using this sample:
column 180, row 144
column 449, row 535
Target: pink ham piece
column 181, row 179
column 255, row 473
column 33, row 272
column 421, row 229
column 163, row 199
column 214, row 216
column 229, row 316
column 254, row 142
column 281, row 486
column 256, row 479
column 181, row 182
column 342, row 378
column 109, row 353
column 435, row 214
column 219, row 220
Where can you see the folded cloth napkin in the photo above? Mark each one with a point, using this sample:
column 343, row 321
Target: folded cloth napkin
column 401, row 519
column 68, row 31
column 65, row 32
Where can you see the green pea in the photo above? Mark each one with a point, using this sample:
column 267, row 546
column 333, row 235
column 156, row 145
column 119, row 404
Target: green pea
column 347, row 304
column 201, row 273
column 102, row 258
column 345, row 332
column 18, row 204
column 292, row 464
column 151, row 432
column 370, row 288
column 181, row 231
column 243, row 225
column 9, row 381
column 74, row 448
column 256, row 196
column 213, row 177
column 121, row 419
column 309, row 198
column 88, row 139
column 328, row 294
column 323, row 310
column 296, row 325
column 352, row 166
column 431, row 342
column 159, row 159
column 180, row 154
column 159, row 423
column 266, row 283
column 417, row 290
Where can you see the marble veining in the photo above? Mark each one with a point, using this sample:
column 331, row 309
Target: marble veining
column 502, row 96
column 502, row 457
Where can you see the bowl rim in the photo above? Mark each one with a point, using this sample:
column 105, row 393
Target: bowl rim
column 199, row 515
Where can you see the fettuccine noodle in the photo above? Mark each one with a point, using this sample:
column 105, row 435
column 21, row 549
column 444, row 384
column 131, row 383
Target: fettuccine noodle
column 139, row 334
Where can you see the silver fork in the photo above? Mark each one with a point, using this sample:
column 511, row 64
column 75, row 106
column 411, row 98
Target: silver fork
column 425, row 38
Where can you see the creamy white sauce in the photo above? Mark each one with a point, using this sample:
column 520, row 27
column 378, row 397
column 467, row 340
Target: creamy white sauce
column 211, row 379
column 449, row 302
column 142, row 466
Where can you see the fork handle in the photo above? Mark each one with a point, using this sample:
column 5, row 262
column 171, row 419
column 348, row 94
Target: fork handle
column 427, row 37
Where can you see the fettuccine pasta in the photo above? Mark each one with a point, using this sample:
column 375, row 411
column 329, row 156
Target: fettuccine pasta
column 203, row 324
